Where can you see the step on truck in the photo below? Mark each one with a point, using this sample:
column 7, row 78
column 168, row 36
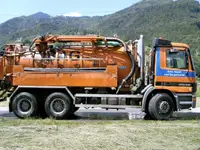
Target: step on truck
column 60, row 73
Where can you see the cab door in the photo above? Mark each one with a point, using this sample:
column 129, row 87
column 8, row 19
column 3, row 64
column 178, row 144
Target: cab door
column 173, row 70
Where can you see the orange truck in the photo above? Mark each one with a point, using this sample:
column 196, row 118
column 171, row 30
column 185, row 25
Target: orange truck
column 59, row 74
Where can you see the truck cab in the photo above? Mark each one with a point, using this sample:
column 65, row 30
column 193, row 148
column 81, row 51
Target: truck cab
column 172, row 75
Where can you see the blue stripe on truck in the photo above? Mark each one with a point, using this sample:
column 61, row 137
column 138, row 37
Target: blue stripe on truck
column 171, row 73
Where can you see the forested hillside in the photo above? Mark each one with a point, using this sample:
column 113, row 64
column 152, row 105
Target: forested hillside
column 177, row 20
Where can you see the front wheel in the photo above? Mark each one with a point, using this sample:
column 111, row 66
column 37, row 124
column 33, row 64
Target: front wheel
column 161, row 106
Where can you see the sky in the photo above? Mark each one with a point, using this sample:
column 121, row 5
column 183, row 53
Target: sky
column 15, row 8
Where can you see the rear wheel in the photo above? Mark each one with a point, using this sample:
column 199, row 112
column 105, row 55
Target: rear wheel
column 161, row 107
column 25, row 105
column 58, row 106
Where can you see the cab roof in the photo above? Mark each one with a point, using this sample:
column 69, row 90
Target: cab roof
column 165, row 43
column 180, row 45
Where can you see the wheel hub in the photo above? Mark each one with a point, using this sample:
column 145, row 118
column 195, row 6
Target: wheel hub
column 164, row 107
column 58, row 106
column 25, row 105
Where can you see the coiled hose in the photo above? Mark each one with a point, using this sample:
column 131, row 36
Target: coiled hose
column 131, row 72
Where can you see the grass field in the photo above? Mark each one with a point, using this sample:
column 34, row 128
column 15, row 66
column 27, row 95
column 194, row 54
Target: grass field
column 198, row 102
column 198, row 91
column 46, row 134
column 4, row 104
column 89, row 135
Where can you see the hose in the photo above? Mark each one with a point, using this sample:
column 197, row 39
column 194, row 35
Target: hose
column 130, row 73
column 131, row 59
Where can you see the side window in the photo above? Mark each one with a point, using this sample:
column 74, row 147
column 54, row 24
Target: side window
column 176, row 59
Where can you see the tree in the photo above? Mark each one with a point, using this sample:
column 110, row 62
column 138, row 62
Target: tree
column 27, row 42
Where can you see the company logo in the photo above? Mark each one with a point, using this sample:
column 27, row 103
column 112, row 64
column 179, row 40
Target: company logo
column 122, row 67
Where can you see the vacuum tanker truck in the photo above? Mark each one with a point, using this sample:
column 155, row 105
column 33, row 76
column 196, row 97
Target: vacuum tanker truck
column 60, row 73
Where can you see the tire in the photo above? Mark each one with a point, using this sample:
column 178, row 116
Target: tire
column 25, row 105
column 58, row 106
column 161, row 107
column 147, row 116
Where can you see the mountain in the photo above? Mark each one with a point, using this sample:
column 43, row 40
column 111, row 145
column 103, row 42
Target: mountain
column 176, row 20
column 40, row 15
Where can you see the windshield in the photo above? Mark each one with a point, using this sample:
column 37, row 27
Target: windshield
column 177, row 59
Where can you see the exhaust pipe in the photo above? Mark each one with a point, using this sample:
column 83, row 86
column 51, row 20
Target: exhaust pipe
column 141, row 58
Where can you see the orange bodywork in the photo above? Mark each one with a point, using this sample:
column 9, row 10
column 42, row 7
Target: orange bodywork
column 94, row 66
column 74, row 79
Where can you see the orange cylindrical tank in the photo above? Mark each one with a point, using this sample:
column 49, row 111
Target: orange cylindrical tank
column 81, row 58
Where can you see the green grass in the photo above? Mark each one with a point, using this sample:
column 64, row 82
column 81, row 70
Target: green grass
column 198, row 102
column 198, row 91
column 4, row 104
column 84, row 135
column 198, row 96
